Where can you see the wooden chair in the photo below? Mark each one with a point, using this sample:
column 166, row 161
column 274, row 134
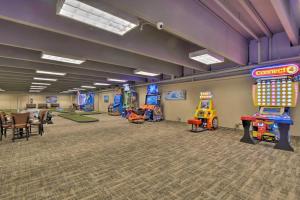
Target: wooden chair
column 4, row 125
column 40, row 122
column 20, row 121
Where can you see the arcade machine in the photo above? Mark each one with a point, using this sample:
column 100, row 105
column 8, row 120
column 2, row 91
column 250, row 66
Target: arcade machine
column 151, row 111
column 85, row 101
column 205, row 117
column 130, row 100
column 116, row 108
column 274, row 93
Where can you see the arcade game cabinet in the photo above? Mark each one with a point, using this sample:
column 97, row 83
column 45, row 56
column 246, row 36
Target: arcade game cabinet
column 85, row 101
column 116, row 108
column 205, row 117
column 275, row 92
column 151, row 111
column 130, row 100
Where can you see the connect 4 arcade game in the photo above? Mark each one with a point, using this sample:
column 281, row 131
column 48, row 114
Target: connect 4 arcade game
column 275, row 92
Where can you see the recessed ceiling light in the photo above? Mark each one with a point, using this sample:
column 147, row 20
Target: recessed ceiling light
column 87, row 14
column 144, row 73
column 116, row 80
column 61, row 59
column 101, row 84
column 35, row 83
column 51, row 73
column 45, row 79
column 87, row 86
column 206, row 57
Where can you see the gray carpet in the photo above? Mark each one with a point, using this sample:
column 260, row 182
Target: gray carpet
column 115, row 160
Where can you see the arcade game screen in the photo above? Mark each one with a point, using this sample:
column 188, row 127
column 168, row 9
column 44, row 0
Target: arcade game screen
column 205, row 104
column 151, row 100
column 126, row 87
column 152, row 89
column 272, row 110
column 81, row 99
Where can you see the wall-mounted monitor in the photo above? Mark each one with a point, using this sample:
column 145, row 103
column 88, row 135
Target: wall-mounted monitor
column 51, row 99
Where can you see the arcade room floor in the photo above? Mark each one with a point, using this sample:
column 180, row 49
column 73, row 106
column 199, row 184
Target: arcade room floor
column 115, row 160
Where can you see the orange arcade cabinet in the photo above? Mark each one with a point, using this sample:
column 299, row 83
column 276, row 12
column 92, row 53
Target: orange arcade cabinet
column 274, row 93
column 151, row 110
column 205, row 117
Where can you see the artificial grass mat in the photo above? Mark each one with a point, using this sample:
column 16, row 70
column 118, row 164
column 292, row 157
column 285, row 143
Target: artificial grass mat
column 79, row 113
column 88, row 113
column 78, row 118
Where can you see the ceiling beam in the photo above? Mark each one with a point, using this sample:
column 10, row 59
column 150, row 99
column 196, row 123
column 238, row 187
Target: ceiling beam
column 192, row 21
column 35, row 56
column 8, row 62
column 22, row 36
column 63, row 78
column 149, row 42
column 246, row 4
column 282, row 9
column 222, row 5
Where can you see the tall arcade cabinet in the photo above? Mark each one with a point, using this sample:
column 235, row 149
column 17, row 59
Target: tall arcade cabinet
column 274, row 93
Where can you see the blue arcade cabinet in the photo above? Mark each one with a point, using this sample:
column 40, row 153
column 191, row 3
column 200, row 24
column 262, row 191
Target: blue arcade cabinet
column 116, row 108
column 152, row 105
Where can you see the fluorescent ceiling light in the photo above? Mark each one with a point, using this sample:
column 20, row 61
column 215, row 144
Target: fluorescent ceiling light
column 35, row 83
column 87, row 14
column 41, row 87
column 87, row 86
column 101, row 84
column 78, row 89
column 51, row 73
column 72, row 91
column 116, row 80
column 1, row 90
column 45, row 79
column 206, row 57
column 34, row 91
column 61, row 59
column 144, row 73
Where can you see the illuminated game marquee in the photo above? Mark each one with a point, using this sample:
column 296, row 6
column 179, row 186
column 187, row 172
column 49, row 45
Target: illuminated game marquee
column 275, row 86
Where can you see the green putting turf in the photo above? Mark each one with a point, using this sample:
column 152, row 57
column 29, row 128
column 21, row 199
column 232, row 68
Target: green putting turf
column 79, row 113
column 88, row 113
column 78, row 118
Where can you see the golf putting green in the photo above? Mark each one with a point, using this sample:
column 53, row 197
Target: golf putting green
column 78, row 118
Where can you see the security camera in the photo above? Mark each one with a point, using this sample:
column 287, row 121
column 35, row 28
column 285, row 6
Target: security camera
column 159, row 25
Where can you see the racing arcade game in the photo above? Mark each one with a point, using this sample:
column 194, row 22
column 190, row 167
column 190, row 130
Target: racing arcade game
column 275, row 92
column 205, row 117
column 151, row 111
column 130, row 100
column 152, row 104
